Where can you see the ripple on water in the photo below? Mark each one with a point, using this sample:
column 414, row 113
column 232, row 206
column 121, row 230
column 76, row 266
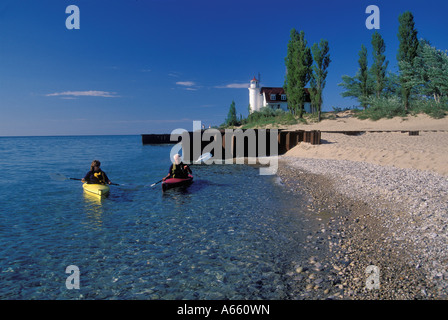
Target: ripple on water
column 230, row 235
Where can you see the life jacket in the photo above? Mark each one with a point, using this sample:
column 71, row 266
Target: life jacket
column 177, row 171
column 100, row 177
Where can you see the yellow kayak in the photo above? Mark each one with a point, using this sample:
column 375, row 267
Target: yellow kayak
column 98, row 189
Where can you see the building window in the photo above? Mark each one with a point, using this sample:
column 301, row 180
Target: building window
column 283, row 97
column 272, row 96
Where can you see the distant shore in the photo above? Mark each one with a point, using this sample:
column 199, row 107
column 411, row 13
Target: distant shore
column 378, row 199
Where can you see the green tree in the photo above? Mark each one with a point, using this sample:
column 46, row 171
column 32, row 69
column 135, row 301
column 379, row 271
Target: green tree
column 304, row 70
column 290, row 85
column 392, row 85
column 352, row 86
column 298, row 71
column 361, row 85
column 363, row 77
column 314, row 97
column 231, row 119
column 379, row 63
column 319, row 73
column 431, row 72
column 407, row 51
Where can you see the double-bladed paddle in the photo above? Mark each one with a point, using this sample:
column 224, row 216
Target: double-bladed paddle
column 61, row 177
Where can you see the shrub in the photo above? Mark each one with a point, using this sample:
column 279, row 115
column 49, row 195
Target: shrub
column 382, row 108
column 430, row 107
column 267, row 116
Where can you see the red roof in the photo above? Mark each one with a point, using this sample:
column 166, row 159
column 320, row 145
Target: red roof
column 254, row 79
column 278, row 94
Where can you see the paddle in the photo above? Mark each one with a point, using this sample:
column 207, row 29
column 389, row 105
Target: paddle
column 61, row 177
column 204, row 157
column 156, row 183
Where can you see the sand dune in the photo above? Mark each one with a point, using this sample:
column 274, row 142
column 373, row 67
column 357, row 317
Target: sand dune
column 426, row 151
column 346, row 121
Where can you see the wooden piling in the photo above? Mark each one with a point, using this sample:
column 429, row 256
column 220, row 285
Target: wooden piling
column 286, row 140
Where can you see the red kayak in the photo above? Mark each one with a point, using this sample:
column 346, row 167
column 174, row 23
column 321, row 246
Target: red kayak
column 176, row 182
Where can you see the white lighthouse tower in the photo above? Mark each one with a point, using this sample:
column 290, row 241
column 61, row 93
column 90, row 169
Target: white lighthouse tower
column 254, row 95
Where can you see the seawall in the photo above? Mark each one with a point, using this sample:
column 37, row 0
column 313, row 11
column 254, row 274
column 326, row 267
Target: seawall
column 235, row 143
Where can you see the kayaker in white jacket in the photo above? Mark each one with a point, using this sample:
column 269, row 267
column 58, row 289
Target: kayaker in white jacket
column 178, row 169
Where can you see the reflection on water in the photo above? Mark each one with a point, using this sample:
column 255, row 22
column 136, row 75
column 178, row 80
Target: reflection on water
column 94, row 199
column 93, row 208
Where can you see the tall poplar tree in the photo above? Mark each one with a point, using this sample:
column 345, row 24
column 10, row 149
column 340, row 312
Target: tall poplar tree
column 304, row 70
column 361, row 85
column 290, row 86
column 379, row 63
column 298, row 64
column 322, row 59
column 407, row 51
column 363, row 77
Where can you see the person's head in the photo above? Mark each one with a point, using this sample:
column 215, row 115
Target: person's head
column 95, row 165
column 177, row 159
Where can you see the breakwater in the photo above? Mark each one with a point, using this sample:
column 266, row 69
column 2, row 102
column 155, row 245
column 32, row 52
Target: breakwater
column 228, row 144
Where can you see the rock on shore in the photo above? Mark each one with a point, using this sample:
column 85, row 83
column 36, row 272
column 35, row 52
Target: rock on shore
column 364, row 215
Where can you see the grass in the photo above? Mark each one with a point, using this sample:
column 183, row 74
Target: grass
column 391, row 107
column 379, row 108
column 430, row 107
column 276, row 120
column 266, row 117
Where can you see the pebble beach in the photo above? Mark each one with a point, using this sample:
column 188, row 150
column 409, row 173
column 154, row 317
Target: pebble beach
column 367, row 209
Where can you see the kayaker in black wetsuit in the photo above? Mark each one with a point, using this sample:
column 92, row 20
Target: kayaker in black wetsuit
column 178, row 169
column 96, row 175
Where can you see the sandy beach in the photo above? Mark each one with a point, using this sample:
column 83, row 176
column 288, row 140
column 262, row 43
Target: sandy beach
column 381, row 199
column 346, row 121
column 427, row 151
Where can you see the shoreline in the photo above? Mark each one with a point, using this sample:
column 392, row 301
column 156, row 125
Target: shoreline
column 365, row 214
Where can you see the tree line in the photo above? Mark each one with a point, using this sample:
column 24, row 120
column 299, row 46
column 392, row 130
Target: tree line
column 304, row 65
column 420, row 85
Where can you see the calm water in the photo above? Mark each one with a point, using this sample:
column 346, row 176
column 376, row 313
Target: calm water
column 233, row 234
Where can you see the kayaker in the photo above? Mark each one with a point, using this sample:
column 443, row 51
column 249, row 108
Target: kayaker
column 96, row 175
column 178, row 169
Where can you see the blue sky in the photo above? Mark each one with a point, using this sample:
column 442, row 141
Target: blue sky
column 151, row 66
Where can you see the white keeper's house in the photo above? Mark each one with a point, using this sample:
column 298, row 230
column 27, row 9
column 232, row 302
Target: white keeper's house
column 274, row 97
